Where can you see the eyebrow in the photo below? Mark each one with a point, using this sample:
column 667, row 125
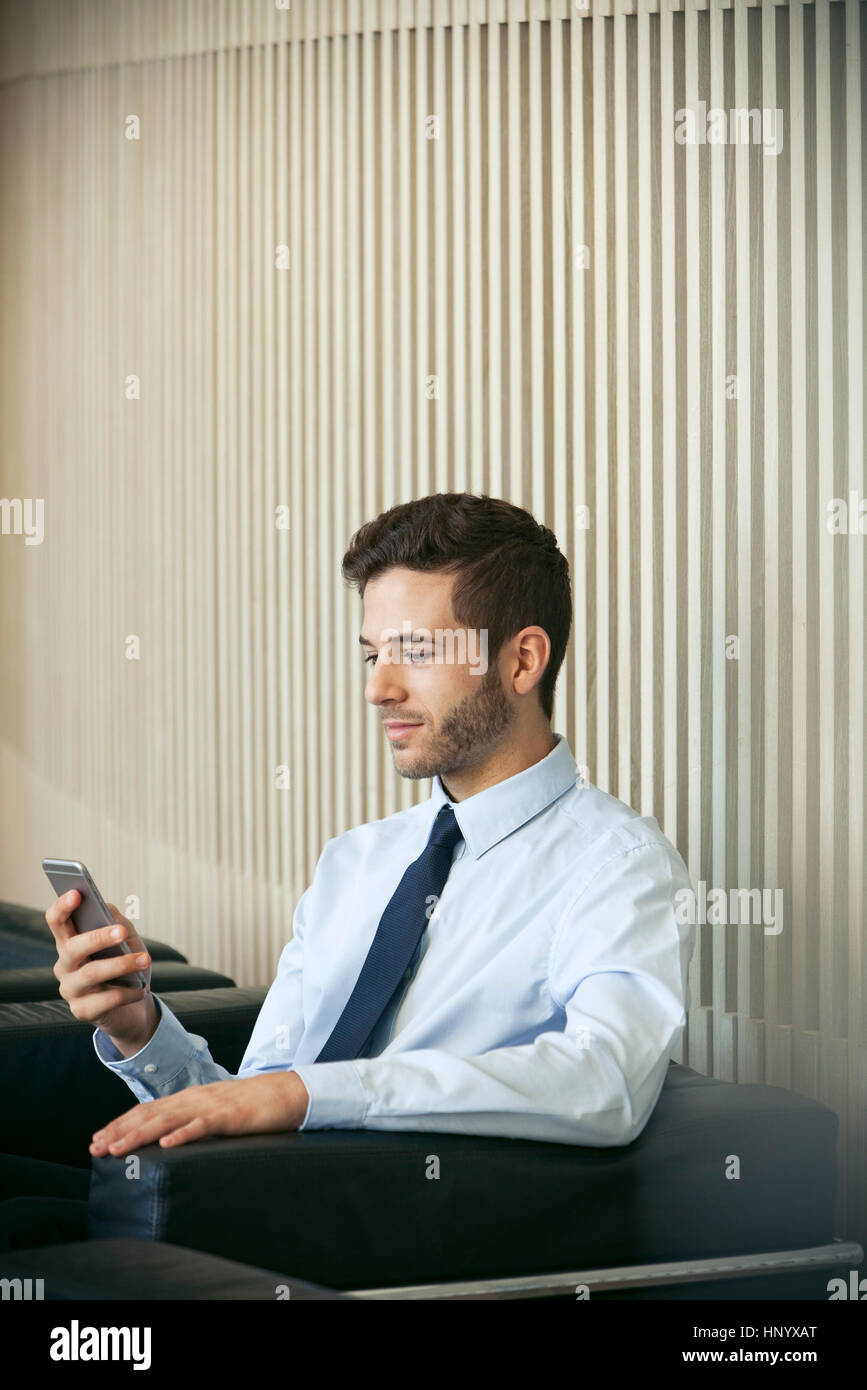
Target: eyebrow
column 413, row 641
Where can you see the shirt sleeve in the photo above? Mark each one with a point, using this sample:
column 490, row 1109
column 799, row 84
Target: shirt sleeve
column 174, row 1059
column 618, row 972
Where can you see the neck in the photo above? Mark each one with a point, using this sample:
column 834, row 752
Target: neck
column 514, row 757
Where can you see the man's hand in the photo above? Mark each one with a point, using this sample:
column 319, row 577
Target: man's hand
column 268, row 1104
column 94, row 989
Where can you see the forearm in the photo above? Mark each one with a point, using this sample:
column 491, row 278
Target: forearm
column 548, row 1090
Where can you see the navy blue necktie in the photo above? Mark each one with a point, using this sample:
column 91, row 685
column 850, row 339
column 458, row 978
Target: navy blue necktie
column 397, row 936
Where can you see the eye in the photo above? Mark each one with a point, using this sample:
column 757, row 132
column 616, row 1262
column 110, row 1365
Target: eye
column 417, row 657
column 370, row 657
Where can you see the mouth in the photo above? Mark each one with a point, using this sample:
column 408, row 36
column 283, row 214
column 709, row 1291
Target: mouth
column 396, row 731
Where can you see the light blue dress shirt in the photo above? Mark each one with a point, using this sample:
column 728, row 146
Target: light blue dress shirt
column 547, row 992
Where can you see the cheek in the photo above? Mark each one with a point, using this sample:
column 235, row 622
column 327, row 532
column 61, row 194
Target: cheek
column 446, row 688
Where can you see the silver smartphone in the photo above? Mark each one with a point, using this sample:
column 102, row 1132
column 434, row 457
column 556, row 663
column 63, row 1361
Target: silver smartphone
column 91, row 913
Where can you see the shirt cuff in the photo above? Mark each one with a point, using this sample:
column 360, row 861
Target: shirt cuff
column 156, row 1064
column 338, row 1099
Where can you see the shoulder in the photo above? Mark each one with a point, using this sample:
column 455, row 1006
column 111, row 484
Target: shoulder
column 607, row 831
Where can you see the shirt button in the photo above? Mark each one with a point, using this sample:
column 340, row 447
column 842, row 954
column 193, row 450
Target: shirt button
column 151, row 1066
column 407, row 974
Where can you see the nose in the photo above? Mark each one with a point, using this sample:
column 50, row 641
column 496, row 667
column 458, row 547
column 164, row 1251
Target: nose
column 385, row 682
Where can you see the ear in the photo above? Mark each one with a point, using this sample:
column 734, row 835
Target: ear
column 531, row 649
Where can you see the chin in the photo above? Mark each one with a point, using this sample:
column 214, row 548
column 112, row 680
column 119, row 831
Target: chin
column 412, row 765
column 416, row 772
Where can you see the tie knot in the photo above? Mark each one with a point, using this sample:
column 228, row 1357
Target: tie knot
column 446, row 830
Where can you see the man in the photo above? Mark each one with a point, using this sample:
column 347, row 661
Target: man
column 503, row 958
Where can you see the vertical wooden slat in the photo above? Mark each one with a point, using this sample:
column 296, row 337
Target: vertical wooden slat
column 721, row 354
column 556, row 214
column 578, row 384
column 385, row 205
column 259, row 530
column 300, row 691
column 857, row 480
column 384, row 200
column 358, row 712
column 621, row 655
column 442, row 366
column 161, row 636
column 831, row 991
column 670, row 493
column 310, row 675
column 424, row 154
column 692, row 429
column 771, row 547
column 746, row 1065
column 601, row 774
column 476, row 460
column 494, row 266
column 512, row 218
column 798, row 334
column 407, row 173
column 243, row 517
column 453, row 424
column 265, row 898
column 227, row 665
column 534, row 499
column 347, row 667
column 283, row 752
column 319, row 200
column 647, row 499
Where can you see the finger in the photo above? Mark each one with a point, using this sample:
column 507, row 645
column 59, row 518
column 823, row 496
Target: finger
column 59, row 913
column 121, row 1123
column 151, row 1118
column 85, row 944
column 93, row 1008
column 132, row 1130
column 96, row 973
column 137, row 1138
column 194, row 1129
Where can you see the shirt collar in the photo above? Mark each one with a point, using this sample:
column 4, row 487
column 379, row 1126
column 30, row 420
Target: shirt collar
column 492, row 814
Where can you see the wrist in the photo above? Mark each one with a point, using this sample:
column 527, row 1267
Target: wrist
column 299, row 1099
column 128, row 1046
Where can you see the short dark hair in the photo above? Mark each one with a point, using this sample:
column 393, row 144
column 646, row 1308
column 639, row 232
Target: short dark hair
column 511, row 572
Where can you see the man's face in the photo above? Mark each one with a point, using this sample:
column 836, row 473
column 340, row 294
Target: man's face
column 439, row 716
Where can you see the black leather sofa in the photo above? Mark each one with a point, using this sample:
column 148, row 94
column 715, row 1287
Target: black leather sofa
column 28, row 954
column 355, row 1211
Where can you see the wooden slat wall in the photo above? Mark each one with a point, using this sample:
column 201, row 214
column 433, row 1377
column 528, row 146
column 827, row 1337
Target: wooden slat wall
column 562, row 385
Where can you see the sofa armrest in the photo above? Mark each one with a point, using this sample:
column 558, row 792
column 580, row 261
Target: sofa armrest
column 54, row 1091
column 354, row 1209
